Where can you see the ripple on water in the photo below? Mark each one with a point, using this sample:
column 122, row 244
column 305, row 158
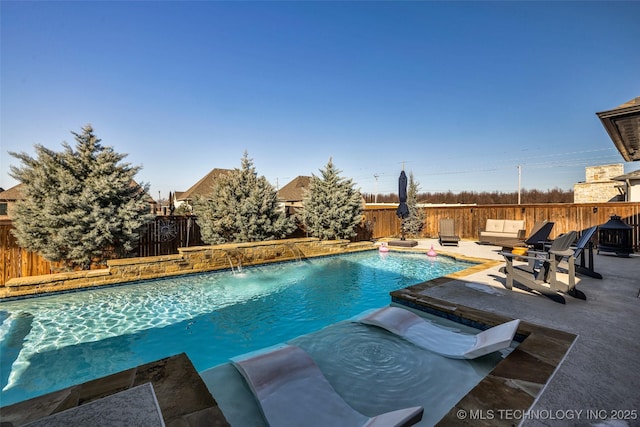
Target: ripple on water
column 360, row 360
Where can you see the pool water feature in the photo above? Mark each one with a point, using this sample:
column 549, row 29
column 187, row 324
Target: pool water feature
column 48, row 343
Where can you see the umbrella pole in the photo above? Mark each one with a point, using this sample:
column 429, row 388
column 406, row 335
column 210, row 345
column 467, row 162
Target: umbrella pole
column 188, row 229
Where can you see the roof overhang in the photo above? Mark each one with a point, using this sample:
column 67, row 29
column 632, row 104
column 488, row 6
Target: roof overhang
column 623, row 126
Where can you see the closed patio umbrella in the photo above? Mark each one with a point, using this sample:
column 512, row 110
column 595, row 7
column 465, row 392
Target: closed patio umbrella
column 172, row 205
column 403, row 209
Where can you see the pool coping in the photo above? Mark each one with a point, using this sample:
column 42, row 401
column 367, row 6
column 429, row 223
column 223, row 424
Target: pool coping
column 505, row 396
column 182, row 395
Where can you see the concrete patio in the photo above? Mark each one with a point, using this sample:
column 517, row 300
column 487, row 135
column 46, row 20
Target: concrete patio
column 598, row 382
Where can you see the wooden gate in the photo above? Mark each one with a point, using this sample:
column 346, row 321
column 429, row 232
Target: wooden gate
column 165, row 234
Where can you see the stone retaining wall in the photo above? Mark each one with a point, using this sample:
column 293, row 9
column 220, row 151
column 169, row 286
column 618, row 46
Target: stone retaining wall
column 190, row 260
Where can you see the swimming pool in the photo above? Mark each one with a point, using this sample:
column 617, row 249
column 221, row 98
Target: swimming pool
column 52, row 342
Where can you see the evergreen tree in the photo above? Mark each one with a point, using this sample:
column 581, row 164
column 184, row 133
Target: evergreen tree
column 242, row 208
column 78, row 205
column 414, row 224
column 332, row 206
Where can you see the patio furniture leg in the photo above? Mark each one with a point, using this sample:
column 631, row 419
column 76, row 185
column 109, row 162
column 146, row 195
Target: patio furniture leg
column 585, row 267
column 509, row 273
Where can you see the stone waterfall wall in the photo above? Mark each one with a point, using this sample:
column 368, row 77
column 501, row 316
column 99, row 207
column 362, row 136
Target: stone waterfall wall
column 190, row 260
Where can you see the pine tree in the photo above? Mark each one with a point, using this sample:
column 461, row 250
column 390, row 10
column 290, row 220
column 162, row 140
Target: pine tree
column 414, row 224
column 332, row 206
column 243, row 207
column 79, row 206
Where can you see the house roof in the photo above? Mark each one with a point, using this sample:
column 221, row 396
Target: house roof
column 203, row 187
column 294, row 190
column 12, row 194
column 630, row 175
column 150, row 199
column 623, row 126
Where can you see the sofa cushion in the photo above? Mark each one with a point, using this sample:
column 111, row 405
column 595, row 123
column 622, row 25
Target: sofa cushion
column 513, row 226
column 485, row 234
column 494, row 225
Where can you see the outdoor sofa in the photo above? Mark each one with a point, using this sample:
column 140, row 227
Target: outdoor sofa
column 497, row 231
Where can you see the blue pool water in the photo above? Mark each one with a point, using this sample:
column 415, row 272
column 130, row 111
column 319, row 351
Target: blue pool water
column 52, row 342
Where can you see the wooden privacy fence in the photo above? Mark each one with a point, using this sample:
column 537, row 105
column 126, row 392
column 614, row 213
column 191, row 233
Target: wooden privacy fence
column 18, row 262
column 166, row 234
column 163, row 236
column 469, row 220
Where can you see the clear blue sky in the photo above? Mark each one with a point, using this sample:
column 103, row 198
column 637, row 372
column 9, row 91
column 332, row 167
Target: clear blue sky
column 459, row 92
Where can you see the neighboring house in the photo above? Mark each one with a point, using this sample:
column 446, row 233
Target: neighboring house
column 600, row 185
column 201, row 188
column 631, row 186
column 292, row 194
column 178, row 200
column 10, row 196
